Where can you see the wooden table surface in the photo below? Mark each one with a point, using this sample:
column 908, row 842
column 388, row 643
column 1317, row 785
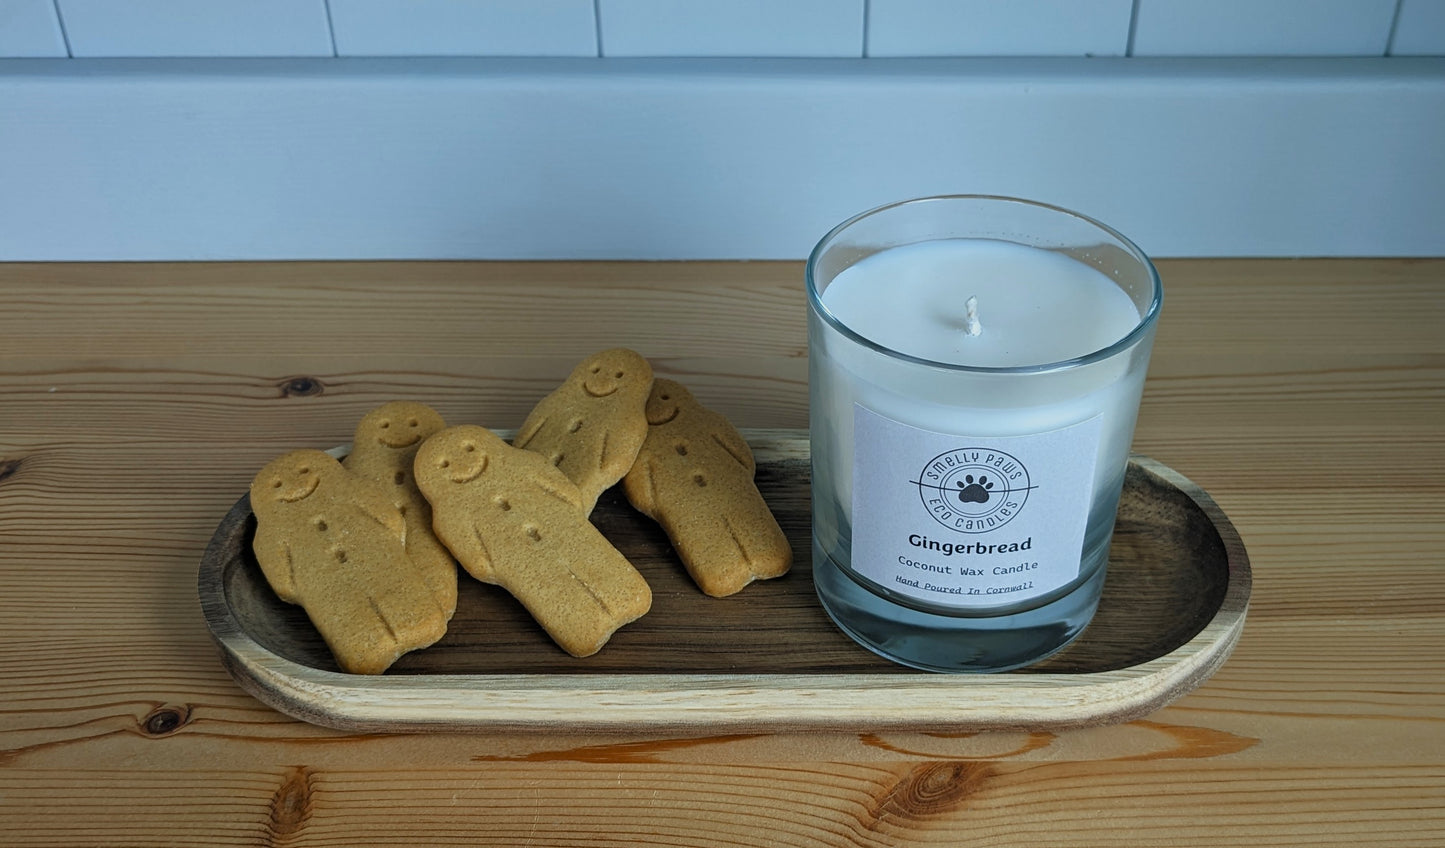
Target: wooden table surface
column 136, row 402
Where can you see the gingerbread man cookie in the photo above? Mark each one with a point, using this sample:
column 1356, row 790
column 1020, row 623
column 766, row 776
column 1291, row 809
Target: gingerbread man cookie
column 383, row 450
column 694, row 476
column 593, row 425
column 514, row 520
column 335, row 544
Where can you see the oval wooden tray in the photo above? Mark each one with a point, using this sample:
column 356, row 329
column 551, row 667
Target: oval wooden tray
column 767, row 658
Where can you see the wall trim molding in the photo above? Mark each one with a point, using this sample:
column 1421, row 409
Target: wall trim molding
column 484, row 158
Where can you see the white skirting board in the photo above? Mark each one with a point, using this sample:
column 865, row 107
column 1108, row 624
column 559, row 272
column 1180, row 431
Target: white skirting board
column 704, row 159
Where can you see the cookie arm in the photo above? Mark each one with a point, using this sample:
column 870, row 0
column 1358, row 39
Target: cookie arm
column 530, row 428
column 730, row 440
column 480, row 561
column 639, row 487
column 382, row 509
column 274, row 557
column 556, row 484
column 465, row 542
column 552, row 481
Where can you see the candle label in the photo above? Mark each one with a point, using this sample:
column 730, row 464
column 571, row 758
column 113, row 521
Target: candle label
column 970, row 522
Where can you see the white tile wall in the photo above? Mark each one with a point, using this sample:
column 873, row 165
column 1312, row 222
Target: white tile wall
column 1420, row 30
column 464, row 27
column 196, row 27
column 992, row 28
column 29, row 28
column 722, row 28
column 805, row 28
column 1263, row 27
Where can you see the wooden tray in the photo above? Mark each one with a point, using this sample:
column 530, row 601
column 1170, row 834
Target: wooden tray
column 767, row 658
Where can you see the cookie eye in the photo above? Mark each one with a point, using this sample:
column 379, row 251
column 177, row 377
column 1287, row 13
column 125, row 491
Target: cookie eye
column 665, row 397
column 469, row 447
column 575, row 426
column 446, row 463
column 412, row 423
column 304, row 470
column 681, row 449
column 276, row 483
column 596, row 368
column 321, row 524
column 400, row 478
column 385, row 425
column 619, row 375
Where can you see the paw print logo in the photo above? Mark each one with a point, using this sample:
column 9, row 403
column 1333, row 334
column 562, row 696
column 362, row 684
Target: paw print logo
column 974, row 491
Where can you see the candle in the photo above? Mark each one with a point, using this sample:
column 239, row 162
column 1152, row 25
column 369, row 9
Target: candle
column 973, row 397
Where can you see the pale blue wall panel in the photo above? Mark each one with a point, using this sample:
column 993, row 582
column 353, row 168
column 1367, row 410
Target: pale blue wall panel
column 100, row 28
column 1420, row 30
column 992, row 28
column 464, row 27
column 697, row 158
column 804, row 28
column 29, row 28
column 1263, row 27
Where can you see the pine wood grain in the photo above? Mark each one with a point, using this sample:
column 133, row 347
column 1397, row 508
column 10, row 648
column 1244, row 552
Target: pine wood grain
column 137, row 400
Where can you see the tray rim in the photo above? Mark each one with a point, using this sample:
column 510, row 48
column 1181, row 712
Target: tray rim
column 731, row 703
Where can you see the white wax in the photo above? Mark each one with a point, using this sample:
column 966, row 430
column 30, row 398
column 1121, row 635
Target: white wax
column 1034, row 306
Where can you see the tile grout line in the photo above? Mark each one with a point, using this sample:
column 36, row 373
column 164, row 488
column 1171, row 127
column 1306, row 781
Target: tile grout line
column 330, row 27
column 597, row 26
column 1394, row 28
column 64, row 35
column 1133, row 28
column 867, row 12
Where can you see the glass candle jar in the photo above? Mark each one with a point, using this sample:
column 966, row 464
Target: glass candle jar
column 975, row 367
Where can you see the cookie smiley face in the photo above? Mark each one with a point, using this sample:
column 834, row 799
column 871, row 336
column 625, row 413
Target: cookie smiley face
column 459, row 454
column 291, row 478
column 466, row 464
column 666, row 401
column 399, row 424
column 610, row 371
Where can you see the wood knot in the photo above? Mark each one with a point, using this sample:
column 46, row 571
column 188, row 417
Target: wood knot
column 8, row 467
column 163, row 721
column 301, row 387
column 291, row 805
column 932, row 789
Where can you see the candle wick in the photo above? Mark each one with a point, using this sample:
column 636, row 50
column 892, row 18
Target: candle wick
column 972, row 326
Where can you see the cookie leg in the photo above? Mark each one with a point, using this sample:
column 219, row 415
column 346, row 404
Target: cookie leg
column 581, row 600
column 724, row 552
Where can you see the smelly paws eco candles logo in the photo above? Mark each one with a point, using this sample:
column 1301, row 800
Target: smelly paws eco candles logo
column 974, row 490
